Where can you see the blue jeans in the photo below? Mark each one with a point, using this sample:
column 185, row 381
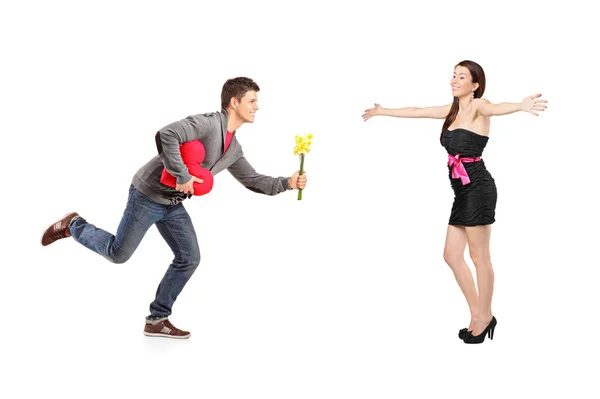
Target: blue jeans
column 173, row 223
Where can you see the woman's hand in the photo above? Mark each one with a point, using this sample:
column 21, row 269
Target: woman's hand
column 531, row 104
column 371, row 112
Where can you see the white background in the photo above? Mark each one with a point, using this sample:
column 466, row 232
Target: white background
column 341, row 295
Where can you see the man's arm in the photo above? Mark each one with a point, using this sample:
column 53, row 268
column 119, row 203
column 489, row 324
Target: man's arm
column 169, row 138
column 243, row 172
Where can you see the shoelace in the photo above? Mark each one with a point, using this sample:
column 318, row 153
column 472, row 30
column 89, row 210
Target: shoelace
column 57, row 234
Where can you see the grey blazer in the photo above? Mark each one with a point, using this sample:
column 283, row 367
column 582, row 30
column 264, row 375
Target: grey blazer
column 211, row 130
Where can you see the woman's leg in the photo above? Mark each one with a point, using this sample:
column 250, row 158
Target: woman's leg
column 454, row 255
column 478, row 238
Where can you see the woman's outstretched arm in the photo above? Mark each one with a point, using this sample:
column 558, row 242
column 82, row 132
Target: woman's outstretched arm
column 409, row 112
column 529, row 104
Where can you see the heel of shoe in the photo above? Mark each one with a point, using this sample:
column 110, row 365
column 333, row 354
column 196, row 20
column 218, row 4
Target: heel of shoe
column 477, row 339
column 492, row 327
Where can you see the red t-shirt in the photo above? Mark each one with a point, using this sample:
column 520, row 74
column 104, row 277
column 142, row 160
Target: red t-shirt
column 228, row 141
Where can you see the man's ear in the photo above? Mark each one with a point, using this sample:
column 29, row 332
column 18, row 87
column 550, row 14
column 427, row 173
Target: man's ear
column 233, row 102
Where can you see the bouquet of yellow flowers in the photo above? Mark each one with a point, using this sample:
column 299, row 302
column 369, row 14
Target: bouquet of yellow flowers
column 302, row 148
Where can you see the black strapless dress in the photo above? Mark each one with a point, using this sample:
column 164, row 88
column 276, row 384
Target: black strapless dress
column 474, row 201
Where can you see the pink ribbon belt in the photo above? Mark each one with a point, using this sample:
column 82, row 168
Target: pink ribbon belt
column 458, row 169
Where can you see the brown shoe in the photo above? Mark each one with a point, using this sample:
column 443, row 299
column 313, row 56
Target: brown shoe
column 58, row 230
column 164, row 328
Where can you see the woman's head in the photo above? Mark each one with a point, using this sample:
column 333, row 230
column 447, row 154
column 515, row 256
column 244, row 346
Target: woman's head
column 468, row 80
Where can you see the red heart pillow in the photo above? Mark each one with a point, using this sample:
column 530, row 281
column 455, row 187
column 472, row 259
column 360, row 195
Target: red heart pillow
column 192, row 154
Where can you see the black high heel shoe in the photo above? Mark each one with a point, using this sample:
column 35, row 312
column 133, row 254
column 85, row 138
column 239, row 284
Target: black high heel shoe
column 477, row 339
column 463, row 333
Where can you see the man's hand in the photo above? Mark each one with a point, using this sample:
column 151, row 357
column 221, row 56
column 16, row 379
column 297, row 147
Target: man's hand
column 297, row 181
column 189, row 186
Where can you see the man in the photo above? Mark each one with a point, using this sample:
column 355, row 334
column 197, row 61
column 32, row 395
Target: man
column 151, row 202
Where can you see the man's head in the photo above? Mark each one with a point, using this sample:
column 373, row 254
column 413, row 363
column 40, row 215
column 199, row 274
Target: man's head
column 239, row 96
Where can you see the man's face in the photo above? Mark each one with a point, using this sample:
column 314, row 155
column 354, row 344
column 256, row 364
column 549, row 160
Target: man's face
column 247, row 107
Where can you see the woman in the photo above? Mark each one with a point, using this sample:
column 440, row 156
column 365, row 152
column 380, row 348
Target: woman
column 464, row 135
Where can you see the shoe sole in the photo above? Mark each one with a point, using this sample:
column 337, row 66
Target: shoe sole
column 166, row 335
column 49, row 227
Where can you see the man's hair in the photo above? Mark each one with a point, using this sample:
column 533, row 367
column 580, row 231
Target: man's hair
column 236, row 87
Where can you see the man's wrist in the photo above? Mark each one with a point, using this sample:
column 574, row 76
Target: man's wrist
column 290, row 183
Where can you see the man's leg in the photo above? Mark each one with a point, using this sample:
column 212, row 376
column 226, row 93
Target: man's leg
column 139, row 215
column 178, row 231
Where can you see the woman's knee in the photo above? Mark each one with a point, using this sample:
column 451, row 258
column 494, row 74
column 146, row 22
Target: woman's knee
column 480, row 257
column 453, row 257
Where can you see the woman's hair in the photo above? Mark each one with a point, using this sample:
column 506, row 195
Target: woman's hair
column 478, row 76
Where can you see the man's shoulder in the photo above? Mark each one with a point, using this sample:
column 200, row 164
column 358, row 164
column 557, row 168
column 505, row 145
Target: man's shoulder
column 210, row 114
column 215, row 114
column 206, row 119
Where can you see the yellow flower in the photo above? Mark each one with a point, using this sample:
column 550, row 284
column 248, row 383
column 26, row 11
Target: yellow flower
column 302, row 148
column 303, row 144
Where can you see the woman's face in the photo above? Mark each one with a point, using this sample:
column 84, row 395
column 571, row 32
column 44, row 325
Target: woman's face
column 462, row 82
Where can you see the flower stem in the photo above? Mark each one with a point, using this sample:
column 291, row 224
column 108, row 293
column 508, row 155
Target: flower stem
column 301, row 173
